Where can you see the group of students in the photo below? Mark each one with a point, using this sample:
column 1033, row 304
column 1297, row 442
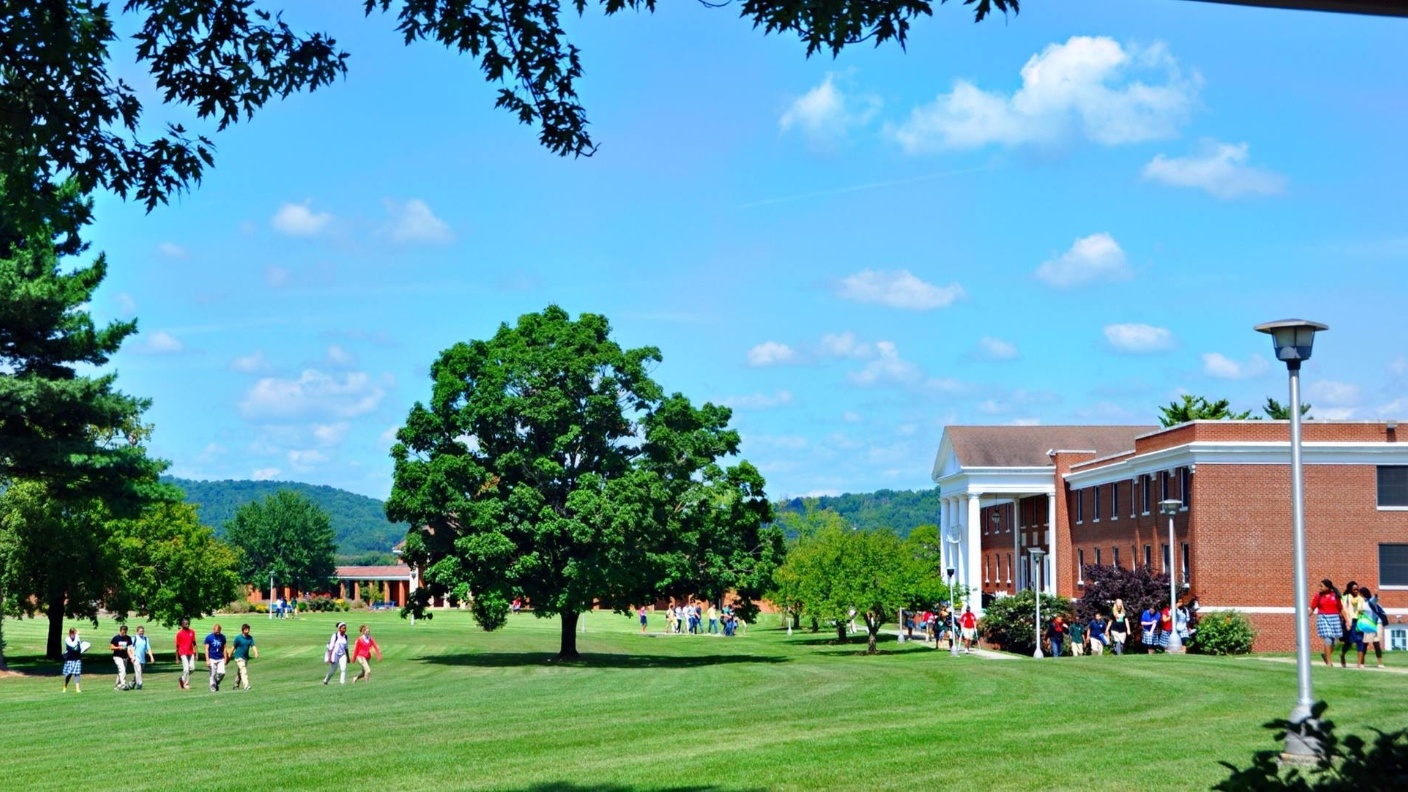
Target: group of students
column 219, row 650
column 137, row 651
column 1109, row 630
column 1354, row 618
column 689, row 619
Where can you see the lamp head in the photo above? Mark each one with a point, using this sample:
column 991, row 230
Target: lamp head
column 1292, row 338
column 951, row 571
column 1037, row 553
column 1170, row 507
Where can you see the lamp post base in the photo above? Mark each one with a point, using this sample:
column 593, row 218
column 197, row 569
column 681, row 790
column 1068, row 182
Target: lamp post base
column 1037, row 654
column 1302, row 745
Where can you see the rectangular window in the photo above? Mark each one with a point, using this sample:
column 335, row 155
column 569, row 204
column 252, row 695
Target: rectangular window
column 1133, row 488
column 1115, row 551
column 1148, row 556
column 1080, row 506
column 1145, row 479
column 1097, row 503
column 987, row 568
column 1163, row 484
column 1080, row 567
column 1009, row 567
column 1114, row 500
column 1168, row 567
column 1097, row 556
column 1393, row 565
column 1185, row 480
column 1186, row 579
column 1393, row 486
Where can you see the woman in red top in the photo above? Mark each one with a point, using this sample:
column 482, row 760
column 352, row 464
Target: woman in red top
column 362, row 652
column 1325, row 608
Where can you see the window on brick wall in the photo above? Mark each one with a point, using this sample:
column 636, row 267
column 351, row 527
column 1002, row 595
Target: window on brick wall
column 1009, row 567
column 1080, row 567
column 1133, row 488
column 1168, row 566
column 1393, row 486
column 1148, row 555
column 1115, row 559
column 1185, row 480
column 1080, row 506
column 1145, row 480
column 1186, row 579
column 1393, row 565
column 1097, row 503
column 987, row 568
column 1114, row 500
column 1163, row 485
column 1097, row 556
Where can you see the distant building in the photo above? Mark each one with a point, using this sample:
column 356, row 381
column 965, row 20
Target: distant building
column 1001, row 487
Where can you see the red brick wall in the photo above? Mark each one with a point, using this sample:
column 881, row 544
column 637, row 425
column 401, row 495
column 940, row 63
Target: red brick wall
column 1130, row 534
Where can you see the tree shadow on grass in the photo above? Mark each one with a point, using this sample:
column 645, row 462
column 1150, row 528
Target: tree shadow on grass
column 593, row 660
column 569, row 787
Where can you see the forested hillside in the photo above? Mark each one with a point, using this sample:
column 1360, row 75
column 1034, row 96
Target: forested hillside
column 358, row 521
column 898, row 510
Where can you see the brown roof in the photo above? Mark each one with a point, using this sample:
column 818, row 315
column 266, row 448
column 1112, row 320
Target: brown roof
column 364, row 572
column 1026, row 446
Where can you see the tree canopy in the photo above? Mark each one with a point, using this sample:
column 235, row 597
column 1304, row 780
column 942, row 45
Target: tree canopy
column 1277, row 411
column 1199, row 408
column 285, row 534
column 900, row 511
column 549, row 465
column 66, row 115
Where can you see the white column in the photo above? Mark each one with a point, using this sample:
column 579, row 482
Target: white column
column 974, row 554
column 1051, row 559
column 1016, row 543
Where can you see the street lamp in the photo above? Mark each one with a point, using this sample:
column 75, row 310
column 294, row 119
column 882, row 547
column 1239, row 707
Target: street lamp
column 271, row 592
column 952, row 617
column 1168, row 508
column 1037, row 554
column 1293, row 339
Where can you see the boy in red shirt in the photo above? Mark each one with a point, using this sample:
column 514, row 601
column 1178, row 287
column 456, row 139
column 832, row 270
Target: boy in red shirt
column 968, row 623
column 186, row 653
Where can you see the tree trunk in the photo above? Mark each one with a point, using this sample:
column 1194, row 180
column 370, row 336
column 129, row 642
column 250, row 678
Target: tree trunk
column 872, row 628
column 840, row 631
column 54, row 647
column 568, row 650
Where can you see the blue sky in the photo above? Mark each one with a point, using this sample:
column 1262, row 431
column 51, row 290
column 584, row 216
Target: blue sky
column 1070, row 216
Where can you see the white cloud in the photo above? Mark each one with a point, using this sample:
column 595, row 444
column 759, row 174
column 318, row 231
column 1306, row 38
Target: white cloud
column 888, row 369
column 897, row 289
column 264, row 473
column 126, row 305
column 1221, row 170
column 850, row 416
column 1086, row 87
column 305, row 459
column 212, row 451
column 414, row 222
column 330, row 434
column 158, row 343
column 388, row 437
column 845, row 345
column 759, row 401
column 300, row 220
column 1215, row 364
column 314, row 395
column 1399, row 365
column 255, row 363
column 1096, row 257
column 171, row 250
column 276, row 277
column 1138, row 338
column 341, row 357
column 825, row 115
column 1395, row 409
column 996, row 349
column 771, row 353
column 782, row 442
column 1329, row 393
column 1334, row 413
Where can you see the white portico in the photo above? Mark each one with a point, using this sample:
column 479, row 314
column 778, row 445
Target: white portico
column 998, row 489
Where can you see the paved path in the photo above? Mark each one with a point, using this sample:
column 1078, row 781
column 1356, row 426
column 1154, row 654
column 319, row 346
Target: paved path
column 1292, row 660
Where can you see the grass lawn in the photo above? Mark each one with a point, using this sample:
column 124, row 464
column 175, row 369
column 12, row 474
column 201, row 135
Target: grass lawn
column 453, row 707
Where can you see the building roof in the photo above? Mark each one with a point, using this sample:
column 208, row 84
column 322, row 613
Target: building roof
column 1027, row 446
column 374, row 572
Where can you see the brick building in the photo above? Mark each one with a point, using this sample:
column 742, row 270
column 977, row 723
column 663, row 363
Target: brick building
column 1001, row 486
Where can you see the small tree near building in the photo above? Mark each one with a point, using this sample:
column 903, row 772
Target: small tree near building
column 286, row 534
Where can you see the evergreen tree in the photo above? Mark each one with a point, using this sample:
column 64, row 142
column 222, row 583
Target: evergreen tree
column 1199, row 408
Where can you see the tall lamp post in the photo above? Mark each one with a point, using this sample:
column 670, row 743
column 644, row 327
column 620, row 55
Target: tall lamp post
column 1292, row 339
column 1037, row 554
column 952, row 537
column 271, row 592
column 1168, row 508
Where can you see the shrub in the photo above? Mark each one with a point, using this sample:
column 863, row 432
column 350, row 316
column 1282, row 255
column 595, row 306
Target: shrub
column 1009, row 622
column 238, row 606
column 1223, row 633
column 260, row 607
column 301, row 606
column 359, row 604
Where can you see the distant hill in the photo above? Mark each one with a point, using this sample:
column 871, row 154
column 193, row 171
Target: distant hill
column 899, row 510
column 359, row 522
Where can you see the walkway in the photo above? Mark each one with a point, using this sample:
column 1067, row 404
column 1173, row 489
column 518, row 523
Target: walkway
column 1318, row 662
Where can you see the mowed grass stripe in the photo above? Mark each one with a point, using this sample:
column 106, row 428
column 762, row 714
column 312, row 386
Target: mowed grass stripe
column 454, row 707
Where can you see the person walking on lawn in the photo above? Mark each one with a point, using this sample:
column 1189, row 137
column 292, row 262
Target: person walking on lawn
column 1325, row 607
column 362, row 653
column 121, row 643
column 1096, row 631
column 243, row 647
column 1350, row 606
column 1119, row 626
column 186, row 653
column 141, row 654
column 1059, row 631
column 73, row 661
column 217, row 651
column 1149, row 628
column 336, row 654
column 968, row 624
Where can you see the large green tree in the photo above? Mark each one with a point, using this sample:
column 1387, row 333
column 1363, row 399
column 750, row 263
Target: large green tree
column 549, row 465
column 285, row 534
column 65, row 115
column 1199, row 408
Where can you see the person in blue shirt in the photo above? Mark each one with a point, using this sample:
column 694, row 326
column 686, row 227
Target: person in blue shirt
column 1096, row 631
column 216, row 652
column 141, row 653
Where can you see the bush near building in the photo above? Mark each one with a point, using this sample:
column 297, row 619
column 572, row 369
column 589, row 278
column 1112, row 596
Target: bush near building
column 1010, row 622
column 1223, row 633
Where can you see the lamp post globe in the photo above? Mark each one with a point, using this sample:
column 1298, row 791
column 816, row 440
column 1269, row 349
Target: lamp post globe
column 1169, row 508
column 1293, row 340
column 1037, row 554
